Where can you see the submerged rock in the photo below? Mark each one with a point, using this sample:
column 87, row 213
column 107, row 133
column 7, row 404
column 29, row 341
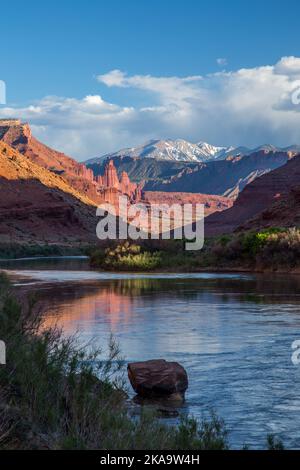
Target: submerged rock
column 158, row 378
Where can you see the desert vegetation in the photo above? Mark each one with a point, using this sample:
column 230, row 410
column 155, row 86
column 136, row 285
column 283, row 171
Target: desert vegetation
column 274, row 249
column 17, row 250
column 270, row 249
column 148, row 255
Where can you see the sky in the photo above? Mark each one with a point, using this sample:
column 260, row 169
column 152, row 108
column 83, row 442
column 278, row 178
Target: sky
column 93, row 77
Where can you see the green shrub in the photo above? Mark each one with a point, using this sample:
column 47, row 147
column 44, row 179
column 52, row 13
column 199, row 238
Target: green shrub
column 252, row 242
column 144, row 257
column 126, row 257
column 282, row 249
column 138, row 262
column 270, row 248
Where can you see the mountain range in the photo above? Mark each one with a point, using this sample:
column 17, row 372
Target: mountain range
column 180, row 150
column 225, row 177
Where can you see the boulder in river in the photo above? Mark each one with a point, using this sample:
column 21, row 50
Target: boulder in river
column 158, row 378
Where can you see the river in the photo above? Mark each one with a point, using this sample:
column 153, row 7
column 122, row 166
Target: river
column 232, row 332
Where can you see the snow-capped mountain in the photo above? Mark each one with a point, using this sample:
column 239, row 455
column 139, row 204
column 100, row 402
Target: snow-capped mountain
column 183, row 151
column 210, row 152
column 172, row 150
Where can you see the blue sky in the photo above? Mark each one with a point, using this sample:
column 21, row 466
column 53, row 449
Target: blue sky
column 59, row 48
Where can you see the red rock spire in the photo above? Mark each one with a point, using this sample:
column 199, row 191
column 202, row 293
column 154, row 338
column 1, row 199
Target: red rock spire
column 126, row 186
column 110, row 178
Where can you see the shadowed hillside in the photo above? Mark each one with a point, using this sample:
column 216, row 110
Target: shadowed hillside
column 271, row 200
column 39, row 206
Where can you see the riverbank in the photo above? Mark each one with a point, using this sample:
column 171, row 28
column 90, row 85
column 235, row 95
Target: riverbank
column 267, row 251
column 17, row 250
column 271, row 250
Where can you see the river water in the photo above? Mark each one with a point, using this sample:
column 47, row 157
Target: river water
column 232, row 332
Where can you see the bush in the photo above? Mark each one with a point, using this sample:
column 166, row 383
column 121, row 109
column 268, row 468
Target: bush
column 144, row 257
column 253, row 242
column 126, row 257
column 281, row 249
column 272, row 248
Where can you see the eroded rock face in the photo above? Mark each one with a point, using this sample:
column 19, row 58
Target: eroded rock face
column 18, row 136
column 158, row 379
column 212, row 203
column 267, row 201
column 111, row 187
column 110, row 178
column 38, row 206
column 99, row 190
column 126, row 186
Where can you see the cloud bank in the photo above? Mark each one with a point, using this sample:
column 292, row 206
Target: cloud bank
column 250, row 106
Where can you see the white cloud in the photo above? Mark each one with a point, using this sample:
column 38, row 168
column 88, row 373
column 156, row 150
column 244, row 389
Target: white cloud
column 113, row 78
column 2, row 92
column 170, row 90
column 248, row 107
column 288, row 65
column 222, row 61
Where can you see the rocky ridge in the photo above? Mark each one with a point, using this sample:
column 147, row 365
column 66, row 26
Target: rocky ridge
column 270, row 200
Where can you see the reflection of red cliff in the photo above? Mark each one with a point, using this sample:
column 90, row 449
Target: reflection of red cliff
column 115, row 307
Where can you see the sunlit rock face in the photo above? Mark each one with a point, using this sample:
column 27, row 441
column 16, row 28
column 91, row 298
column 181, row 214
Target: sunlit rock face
column 127, row 187
column 110, row 187
column 18, row 135
column 99, row 180
column 103, row 188
column 110, row 178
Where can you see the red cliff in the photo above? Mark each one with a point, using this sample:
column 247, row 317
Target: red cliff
column 126, row 186
column 18, row 135
column 270, row 200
